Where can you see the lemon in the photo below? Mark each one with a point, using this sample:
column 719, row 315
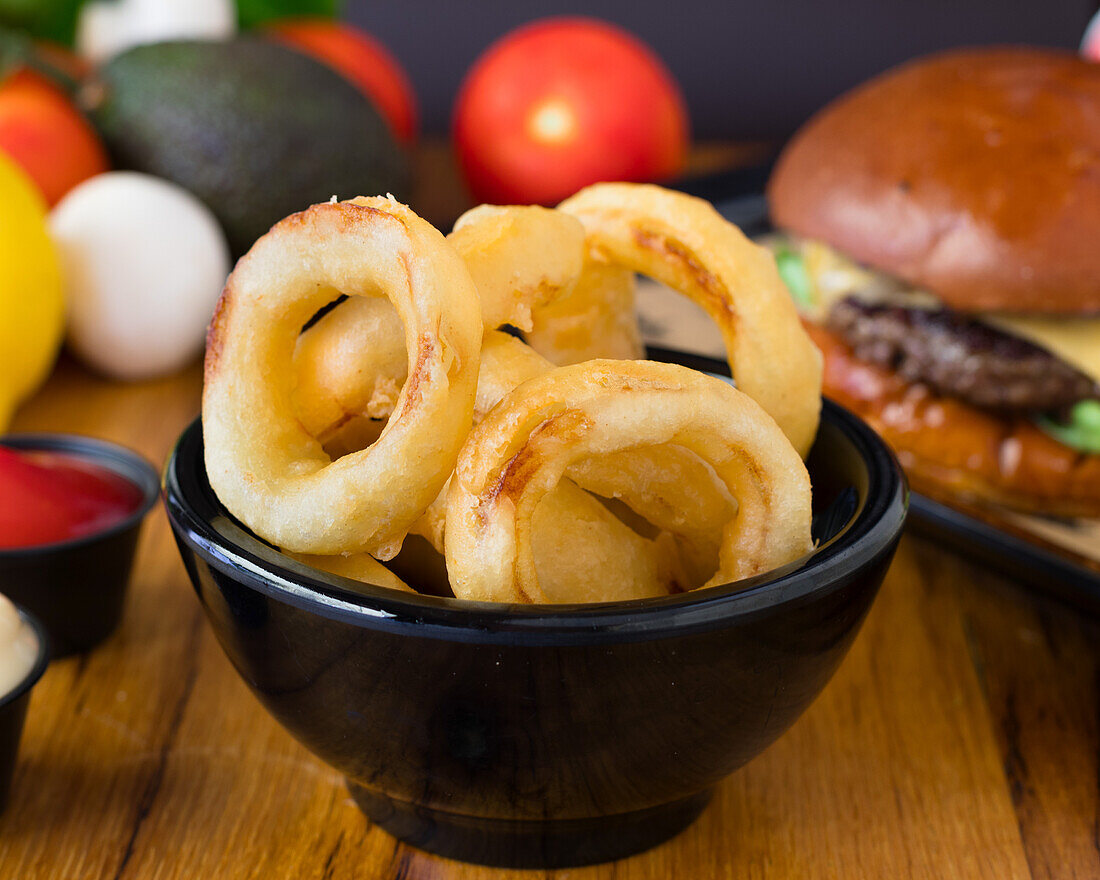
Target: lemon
column 32, row 307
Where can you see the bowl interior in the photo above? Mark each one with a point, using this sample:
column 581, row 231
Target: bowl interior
column 859, row 507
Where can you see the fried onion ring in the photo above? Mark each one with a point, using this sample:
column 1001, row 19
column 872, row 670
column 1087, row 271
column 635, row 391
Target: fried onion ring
column 522, row 448
column 583, row 553
column 684, row 243
column 671, row 488
column 668, row 486
column 505, row 363
column 357, row 567
column 352, row 362
column 596, row 319
column 265, row 467
column 570, row 528
column 350, row 365
column 520, row 257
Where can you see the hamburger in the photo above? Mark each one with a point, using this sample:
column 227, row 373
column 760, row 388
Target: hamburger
column 941, row 235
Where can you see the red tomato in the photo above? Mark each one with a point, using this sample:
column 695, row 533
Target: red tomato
column 42, row 131
column 361, row 59
column 562, row 103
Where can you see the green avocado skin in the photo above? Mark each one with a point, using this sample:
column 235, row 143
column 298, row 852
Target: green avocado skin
column 255, row 130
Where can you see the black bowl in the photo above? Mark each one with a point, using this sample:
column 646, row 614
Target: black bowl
column 13, row 708
column 543, row 736
column 77, row 588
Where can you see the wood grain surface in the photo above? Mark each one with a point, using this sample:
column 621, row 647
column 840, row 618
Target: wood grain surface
column 959, row 738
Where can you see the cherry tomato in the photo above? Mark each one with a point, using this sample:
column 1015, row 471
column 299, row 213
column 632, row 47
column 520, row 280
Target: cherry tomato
column 360, row 58
column 47, row 497
column 562, row 103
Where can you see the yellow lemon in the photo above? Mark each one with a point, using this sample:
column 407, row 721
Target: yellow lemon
column 32, row 307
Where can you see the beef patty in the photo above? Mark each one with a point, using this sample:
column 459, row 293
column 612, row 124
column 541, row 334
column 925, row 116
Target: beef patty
column 960, row 357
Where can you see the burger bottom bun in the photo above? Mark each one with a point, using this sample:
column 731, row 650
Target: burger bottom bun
column 950, row 449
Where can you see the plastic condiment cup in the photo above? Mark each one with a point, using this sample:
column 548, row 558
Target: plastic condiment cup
column 13, row 706
column 77, row 588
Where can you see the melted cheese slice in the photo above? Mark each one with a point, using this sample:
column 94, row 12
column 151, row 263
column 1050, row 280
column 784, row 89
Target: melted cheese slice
column 1076, row 340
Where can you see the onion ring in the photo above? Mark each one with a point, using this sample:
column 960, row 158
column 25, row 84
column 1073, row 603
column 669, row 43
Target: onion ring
column 521, row 449
column 357, row 567
column 573, row 535
column 668, row 486
column 520, row 257
column 265, row 467
column 596, row 319
column 583, row 553
column 571, row 529
column 683, row 242
column 351, row 363
column 674, row 490
column 505, row 363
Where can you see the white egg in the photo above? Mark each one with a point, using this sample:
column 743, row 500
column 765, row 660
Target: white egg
column 107, row 27
column 144, row 262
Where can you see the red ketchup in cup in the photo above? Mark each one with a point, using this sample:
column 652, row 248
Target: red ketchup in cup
column 49, row 497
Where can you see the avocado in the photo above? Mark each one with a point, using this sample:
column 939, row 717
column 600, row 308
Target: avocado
column 257, row 131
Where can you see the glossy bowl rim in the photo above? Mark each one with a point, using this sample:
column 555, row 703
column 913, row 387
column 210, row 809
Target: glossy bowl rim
column 875, row 529
column 100, row 452
column 41, row 660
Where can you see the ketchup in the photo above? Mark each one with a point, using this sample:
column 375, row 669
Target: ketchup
column 46, row 497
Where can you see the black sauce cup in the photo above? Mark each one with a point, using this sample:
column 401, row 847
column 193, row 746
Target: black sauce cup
column 77, row 588
column 549, row 736
column 13, row 708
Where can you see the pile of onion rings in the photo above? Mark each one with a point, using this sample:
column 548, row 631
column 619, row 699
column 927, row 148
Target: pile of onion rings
column 359, row 389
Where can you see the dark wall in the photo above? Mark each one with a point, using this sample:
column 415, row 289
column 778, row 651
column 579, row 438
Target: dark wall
column 748, row 69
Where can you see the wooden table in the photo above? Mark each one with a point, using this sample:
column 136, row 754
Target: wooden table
column 959, row 738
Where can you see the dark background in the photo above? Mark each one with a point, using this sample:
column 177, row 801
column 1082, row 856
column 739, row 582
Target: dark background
column 748, row 69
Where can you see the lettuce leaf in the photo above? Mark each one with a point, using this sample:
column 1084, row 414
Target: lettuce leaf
column 792, row 269
column 1082, row 431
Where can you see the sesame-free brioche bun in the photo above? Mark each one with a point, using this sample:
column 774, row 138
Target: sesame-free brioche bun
column 973, row 174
